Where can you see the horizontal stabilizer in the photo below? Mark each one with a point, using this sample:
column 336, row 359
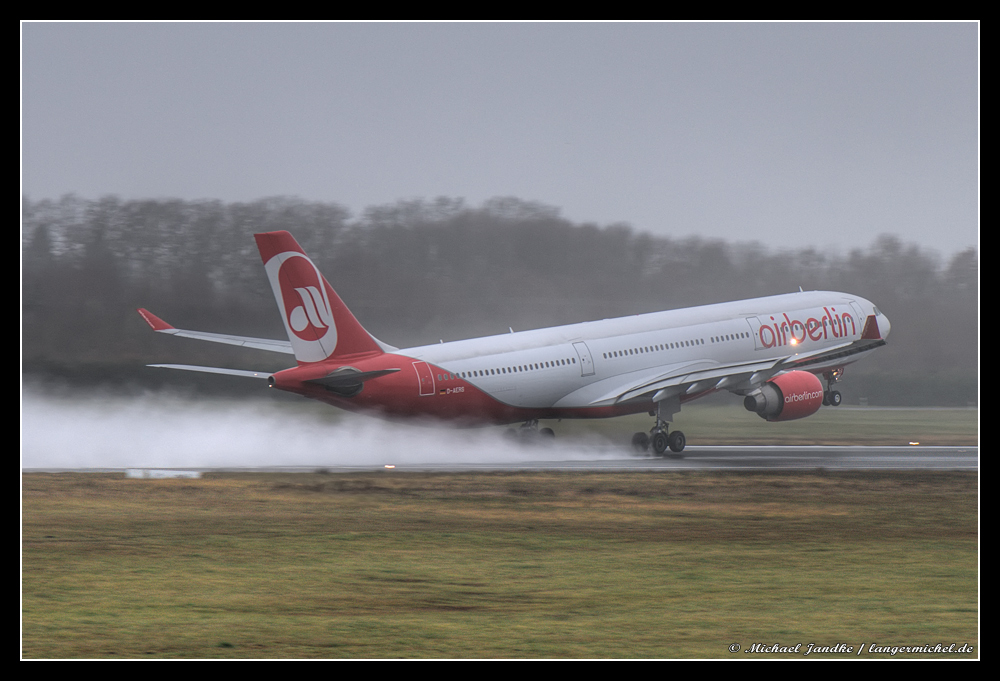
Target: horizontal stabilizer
column 267, row 344
column 214, row 370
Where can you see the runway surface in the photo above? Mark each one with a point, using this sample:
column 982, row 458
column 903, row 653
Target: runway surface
column 860, row 458
column 733, row 458
column 162, row 433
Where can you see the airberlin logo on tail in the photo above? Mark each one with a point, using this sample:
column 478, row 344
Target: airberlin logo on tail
column 312, row 316
column 785, row 331
column 305, row 305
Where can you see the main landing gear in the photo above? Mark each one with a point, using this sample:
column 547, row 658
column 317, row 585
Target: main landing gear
column 661, row 438
column 530, row 432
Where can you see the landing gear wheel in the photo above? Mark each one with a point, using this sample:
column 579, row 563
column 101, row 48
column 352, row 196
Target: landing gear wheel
column 676, row 442
column 546, row 434
column 660, row 442
column 835, row 398
column 640, row 443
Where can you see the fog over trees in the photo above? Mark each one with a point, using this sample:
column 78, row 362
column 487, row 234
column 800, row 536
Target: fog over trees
column 417, row 271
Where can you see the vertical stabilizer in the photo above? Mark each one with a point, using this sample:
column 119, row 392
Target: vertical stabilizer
column 318, row 324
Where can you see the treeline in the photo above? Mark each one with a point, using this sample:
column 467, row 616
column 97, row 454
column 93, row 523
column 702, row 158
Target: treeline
column 418, row 271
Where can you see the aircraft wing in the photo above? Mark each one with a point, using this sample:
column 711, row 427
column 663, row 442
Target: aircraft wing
column 694, row 377
column 803, row 361
column 702, row 376
column 161, row 326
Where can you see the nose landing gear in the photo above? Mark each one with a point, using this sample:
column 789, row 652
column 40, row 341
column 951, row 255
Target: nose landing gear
column 831, row 397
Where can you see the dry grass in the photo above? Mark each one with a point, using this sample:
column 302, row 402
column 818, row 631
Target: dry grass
column 494, row 565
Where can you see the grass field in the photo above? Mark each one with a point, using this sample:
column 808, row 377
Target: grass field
column 516, row 565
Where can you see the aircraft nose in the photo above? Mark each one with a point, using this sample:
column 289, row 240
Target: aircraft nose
column 884, row 326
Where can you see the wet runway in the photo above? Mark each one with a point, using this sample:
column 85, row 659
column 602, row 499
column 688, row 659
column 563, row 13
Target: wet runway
column 735, row 458
column 71, row 435
column 756, row 458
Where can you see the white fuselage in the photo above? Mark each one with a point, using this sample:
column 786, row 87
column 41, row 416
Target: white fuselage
column 593, row 363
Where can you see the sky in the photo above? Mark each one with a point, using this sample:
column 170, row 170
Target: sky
column 789, row 134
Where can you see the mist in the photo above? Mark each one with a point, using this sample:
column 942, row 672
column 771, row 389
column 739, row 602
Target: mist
column 168, row 431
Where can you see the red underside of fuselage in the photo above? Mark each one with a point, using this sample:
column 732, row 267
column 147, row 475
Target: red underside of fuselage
column 398, row 395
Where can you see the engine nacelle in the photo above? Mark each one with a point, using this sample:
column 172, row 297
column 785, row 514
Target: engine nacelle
column 794, row 395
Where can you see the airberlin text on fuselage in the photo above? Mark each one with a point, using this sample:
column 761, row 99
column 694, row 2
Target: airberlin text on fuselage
column 783, row 332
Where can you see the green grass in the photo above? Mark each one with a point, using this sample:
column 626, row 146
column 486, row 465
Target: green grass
column 405, row 565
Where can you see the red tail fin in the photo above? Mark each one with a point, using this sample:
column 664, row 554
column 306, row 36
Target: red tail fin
column 318, row 323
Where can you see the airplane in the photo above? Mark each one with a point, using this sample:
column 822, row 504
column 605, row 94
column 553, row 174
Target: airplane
column 776, row 352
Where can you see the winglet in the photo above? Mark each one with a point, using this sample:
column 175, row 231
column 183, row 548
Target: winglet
column 154, row 322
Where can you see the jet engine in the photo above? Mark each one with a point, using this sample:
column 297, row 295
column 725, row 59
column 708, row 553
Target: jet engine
column 794, row 395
